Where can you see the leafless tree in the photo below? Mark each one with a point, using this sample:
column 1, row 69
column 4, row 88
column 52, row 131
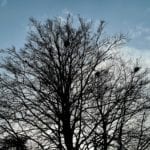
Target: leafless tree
column 67, row 90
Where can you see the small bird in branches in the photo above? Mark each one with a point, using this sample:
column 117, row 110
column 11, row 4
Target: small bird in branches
column 97, row 74
column 66, row 43
column 136, row 69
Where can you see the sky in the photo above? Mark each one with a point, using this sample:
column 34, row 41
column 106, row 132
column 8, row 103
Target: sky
column 131, row 17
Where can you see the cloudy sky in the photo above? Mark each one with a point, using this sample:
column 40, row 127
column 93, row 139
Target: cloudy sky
column 131, row 17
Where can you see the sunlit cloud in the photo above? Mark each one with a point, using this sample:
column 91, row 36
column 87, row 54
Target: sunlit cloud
column 136, row 54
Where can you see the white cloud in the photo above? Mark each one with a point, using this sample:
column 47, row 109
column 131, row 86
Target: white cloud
column 3, row 3
column 138, row 31
column 133, row 53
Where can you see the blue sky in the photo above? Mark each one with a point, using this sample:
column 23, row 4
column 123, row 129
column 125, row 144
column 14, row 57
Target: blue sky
column 126, row 16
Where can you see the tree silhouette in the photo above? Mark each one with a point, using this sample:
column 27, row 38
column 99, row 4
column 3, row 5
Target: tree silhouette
column 67, row 90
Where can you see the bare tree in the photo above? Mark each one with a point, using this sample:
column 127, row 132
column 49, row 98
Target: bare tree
column 66, row 90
